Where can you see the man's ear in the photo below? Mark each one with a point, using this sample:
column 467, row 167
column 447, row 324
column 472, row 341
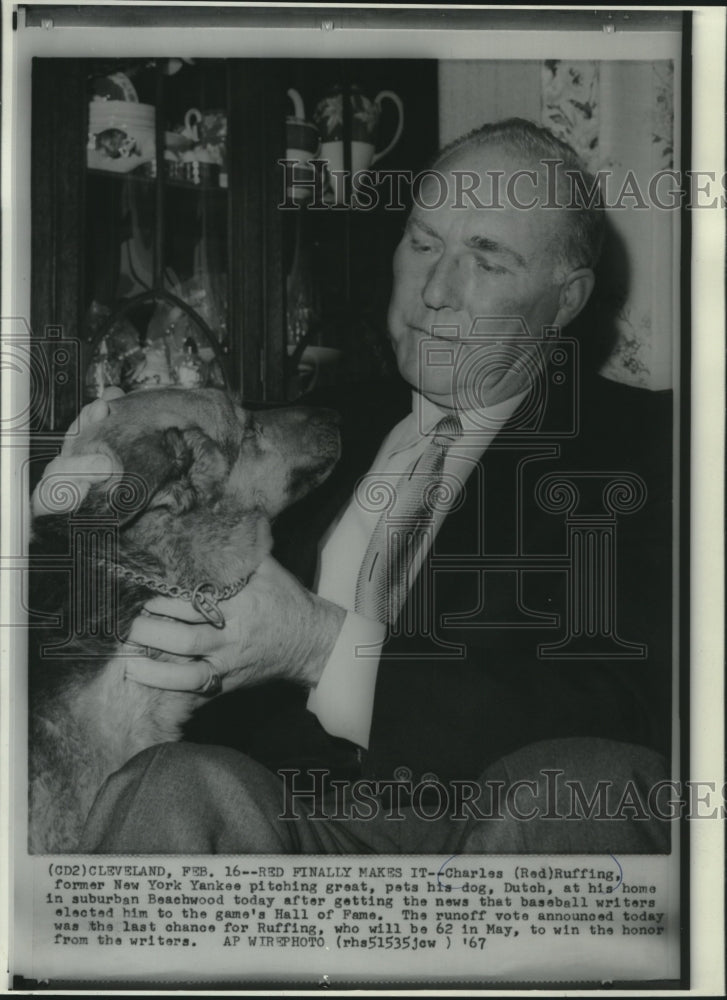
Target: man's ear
column 575, row 291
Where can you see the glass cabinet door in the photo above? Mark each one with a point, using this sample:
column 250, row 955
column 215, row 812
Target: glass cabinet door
column 156, row 271
column 156, row 243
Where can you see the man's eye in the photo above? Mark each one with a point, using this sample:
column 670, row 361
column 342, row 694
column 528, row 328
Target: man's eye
column 419, row 245
column 486, row 265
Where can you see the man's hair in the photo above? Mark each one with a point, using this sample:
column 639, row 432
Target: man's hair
column 576, row 192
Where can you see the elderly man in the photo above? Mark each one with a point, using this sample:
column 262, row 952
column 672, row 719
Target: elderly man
column 430, row 639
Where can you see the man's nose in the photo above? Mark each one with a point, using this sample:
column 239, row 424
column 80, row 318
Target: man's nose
column 442, row 289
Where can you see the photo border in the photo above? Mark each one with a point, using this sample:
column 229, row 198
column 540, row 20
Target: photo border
column 692, row 866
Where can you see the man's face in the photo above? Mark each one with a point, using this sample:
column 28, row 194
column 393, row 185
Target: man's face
column 481, row 273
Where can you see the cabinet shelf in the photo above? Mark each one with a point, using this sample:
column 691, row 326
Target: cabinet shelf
column 149, row 181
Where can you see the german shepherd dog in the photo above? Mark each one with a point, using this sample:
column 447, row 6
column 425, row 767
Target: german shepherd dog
column 189, row 516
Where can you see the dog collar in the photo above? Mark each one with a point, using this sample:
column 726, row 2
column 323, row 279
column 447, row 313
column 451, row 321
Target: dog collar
column 204, row 598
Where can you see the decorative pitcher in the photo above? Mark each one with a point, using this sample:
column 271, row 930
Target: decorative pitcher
column 365, row 116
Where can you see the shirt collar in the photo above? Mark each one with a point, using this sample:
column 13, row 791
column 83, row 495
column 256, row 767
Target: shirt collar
column 479, row 425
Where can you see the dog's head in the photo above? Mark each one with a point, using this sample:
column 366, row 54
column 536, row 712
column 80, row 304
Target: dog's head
column 202, row 478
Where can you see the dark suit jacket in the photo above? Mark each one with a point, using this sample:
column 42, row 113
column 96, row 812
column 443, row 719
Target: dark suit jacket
column 469, row 681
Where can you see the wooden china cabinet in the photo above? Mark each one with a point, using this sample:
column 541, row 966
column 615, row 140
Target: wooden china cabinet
column 167, row 244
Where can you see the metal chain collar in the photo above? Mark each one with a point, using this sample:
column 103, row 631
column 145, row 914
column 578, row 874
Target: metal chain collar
column 204, row 598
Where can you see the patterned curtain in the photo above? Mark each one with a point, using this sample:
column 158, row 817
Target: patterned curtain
column 619, row 116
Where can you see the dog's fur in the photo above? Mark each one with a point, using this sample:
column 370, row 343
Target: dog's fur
column 202, row 480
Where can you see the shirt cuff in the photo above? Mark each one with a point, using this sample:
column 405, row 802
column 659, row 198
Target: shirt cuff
column 343, row 699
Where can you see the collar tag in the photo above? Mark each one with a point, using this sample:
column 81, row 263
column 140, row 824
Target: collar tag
column 204, row 600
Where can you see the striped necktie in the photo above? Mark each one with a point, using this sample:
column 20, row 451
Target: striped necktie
column 385, row 576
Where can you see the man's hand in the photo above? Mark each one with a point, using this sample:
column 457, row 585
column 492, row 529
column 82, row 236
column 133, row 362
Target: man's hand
column 274, row 629
column 67, row 479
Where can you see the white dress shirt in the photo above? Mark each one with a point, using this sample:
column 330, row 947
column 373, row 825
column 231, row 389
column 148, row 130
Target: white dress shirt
column 344, row 696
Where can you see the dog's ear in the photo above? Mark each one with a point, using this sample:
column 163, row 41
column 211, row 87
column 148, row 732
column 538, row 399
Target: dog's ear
column 171, row 469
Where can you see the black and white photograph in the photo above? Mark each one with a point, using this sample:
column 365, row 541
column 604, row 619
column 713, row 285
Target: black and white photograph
column 360, row 618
